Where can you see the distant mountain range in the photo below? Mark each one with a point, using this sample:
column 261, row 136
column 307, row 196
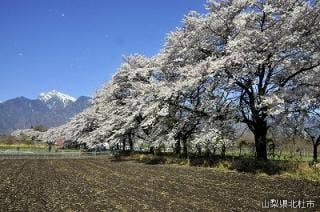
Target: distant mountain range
column 50, row 109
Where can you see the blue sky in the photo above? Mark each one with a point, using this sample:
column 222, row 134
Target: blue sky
column 74, row 46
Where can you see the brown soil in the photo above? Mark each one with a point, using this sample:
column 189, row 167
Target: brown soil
column 103, row 185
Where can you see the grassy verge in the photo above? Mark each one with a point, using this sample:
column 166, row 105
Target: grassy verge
column 23, row 146
column 285, row 168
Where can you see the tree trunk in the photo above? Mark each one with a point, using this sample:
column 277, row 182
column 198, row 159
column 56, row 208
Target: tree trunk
column 178, row 147
column 130, row 141
column 124, row 144
column 260, row 137
column 131, row 145
column 223, row 151
column 315, row 152
column 199, row 150
column 185, row 148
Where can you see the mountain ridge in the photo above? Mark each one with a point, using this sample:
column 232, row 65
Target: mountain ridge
column 64, row 98
column 50, row 109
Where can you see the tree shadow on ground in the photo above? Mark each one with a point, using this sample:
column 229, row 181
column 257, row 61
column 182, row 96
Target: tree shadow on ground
column 237, row 163
column 270, row 167
column 245, row 164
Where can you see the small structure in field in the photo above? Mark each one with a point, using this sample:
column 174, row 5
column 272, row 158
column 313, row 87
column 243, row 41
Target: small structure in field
column 60, row 143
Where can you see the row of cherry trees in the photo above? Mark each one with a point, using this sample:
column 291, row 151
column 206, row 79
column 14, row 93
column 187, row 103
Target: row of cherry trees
column 254, row 62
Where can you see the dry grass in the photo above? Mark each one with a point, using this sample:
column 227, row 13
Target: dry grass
column 11, row 140
column 293, row 169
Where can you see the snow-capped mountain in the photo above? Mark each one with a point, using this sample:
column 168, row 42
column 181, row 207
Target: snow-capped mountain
column 50, row 109
column 55, row 99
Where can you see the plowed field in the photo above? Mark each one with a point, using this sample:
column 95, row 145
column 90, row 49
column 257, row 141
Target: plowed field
column 103, row 185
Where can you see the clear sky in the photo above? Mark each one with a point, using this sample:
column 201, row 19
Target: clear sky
column 74, row 46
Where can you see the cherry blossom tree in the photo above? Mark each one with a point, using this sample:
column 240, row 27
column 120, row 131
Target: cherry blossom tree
column 311, row 125
column 313, row 132
column 244, row 60
column 264, row 52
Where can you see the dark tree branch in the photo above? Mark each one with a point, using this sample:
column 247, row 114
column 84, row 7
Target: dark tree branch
column 285, row 81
